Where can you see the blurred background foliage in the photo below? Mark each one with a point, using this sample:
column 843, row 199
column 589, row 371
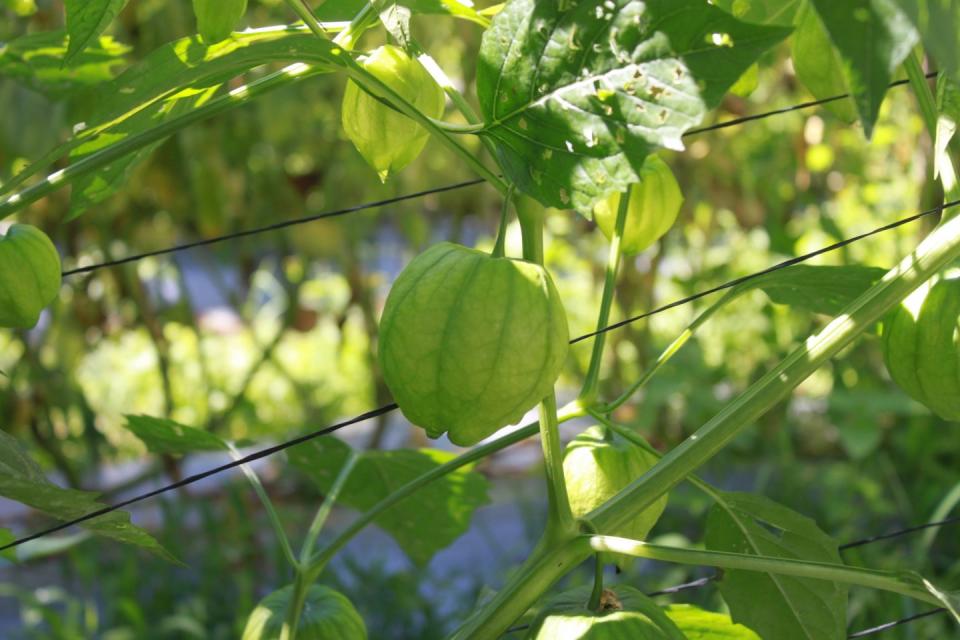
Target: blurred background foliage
column 264, row 337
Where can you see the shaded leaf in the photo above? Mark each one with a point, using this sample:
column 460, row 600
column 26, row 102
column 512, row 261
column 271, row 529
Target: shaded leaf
column 873, row 38
column 22, row 480
column 36, row 60
column 86, row 20
column 793, row 608
column 813, row 56
column 422, row 524
column 781, row 12
column 168, row 437
column 821, row 289
column 697, row 624
column 576, row 98
column 938, row 22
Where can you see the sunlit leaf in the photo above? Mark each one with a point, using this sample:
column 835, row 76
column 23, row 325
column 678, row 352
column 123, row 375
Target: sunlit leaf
column 86, row 20
column 697, row 624
column 793, row 608
column 168, row 437
column 422, row 524
column 782, row 12
column 36, row 60
column 873, row 38
column 22, row 480
column 575, row 99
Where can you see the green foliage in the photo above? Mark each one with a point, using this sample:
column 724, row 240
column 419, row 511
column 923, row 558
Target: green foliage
column 938, row 22
column 921, row 342
column 23, row 480
column 36, row 60
column 166, row 437
column 86, row 20
column 328, row 615
column 599, row 114
column 812, row 52
column 872, row 37
column 623, row 613
column 470, row 343
column 697, row 624
column 820, row 289
column 423, row 524
column 29, row 276
column 216, row 19
column 655, row 202
column 792, row 607
column 386, row 139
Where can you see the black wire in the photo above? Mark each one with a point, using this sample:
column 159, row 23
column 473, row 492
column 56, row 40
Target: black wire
column 896, row 623
column 782, row 265
column 419, row 194
column 901, row 532
column 796, row 107
column 391, row 407
column 263, row 453
column 271, row 227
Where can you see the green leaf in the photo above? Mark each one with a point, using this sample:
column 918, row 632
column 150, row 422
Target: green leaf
column 6, row 537
column 781, row 12
column 821, row 289
column 424, row 523
column 22, row 480
column 216, row 19
column 938, row 22
column 576, row 98
column 793, row 608
column 36, row 60
column 333, row 10
column 697, row 624
column 814, row 56
column 176, row 78
column 86, row 20
column 873, row 38
column 166, row 437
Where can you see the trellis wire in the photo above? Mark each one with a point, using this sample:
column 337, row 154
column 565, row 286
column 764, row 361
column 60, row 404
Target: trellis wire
column 420, row 194
column 393, row 406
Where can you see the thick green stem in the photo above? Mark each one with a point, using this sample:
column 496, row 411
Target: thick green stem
column 592, row 380
column 560, row 521
column 939, row 249
column 597, row 594
column 305, row 14
column 883, row 580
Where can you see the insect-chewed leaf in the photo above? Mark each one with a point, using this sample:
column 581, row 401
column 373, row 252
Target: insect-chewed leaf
column 793, row 608
column 576, row 98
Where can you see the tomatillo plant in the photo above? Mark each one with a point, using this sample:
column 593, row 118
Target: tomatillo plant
column 573, row 103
